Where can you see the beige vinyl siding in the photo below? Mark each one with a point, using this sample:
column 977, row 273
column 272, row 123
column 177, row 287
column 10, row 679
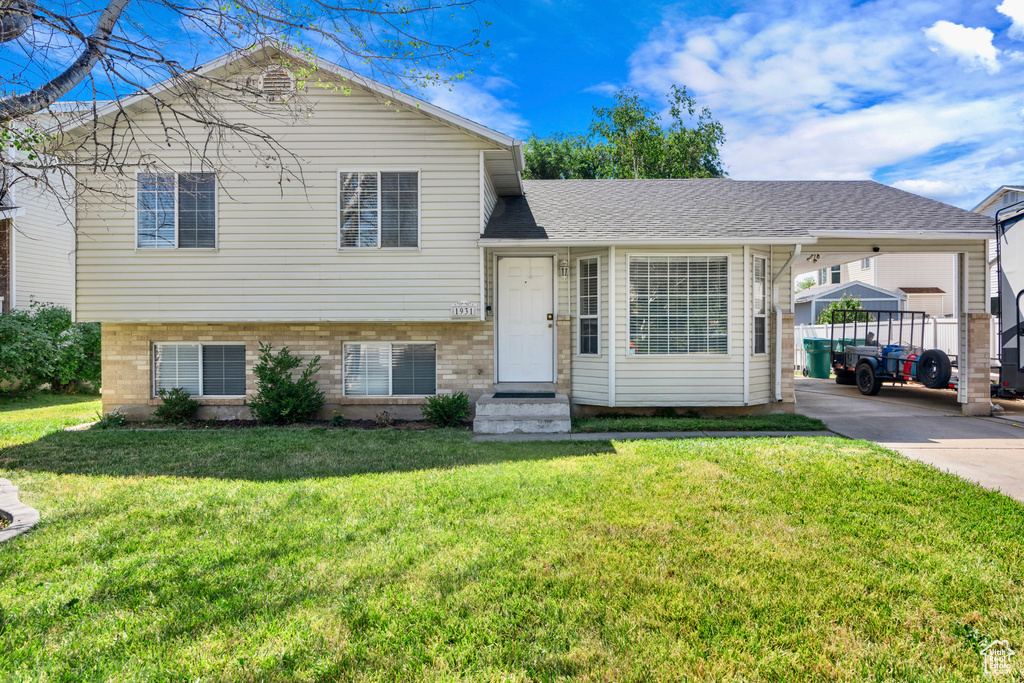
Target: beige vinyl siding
column 490, row 199
column 44, row 248
column 761, row 364
column 589, row 372
column 680, row 380
column 278, row 258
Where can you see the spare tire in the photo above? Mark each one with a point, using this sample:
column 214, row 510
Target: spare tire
column 934, row 369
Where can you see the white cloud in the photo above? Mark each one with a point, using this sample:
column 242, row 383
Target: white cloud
column 972, row 46
column 606, row 89
column 1015, row 10
column 847, row 92
column 478, row 103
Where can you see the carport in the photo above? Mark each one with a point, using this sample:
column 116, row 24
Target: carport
column 967, row 239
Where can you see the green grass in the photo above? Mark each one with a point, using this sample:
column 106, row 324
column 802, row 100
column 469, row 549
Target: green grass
column 26, row 419
column 746, row 423
column 308, row 555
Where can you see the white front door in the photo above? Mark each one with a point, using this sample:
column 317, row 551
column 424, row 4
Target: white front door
column 526, row 326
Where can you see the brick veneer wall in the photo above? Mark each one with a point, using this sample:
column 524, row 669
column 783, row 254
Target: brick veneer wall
column 5, row 264
column 978, row 365
column 465, row 353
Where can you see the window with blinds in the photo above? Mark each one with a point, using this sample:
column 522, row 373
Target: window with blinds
column 380, row 209
column 390, row 369
column 678, row 305
column 760, row 305
column 200, row 369
column 176, row 210
column 589, row 306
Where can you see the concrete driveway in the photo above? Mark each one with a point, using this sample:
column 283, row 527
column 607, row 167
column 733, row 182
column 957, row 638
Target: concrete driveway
column 926, row 425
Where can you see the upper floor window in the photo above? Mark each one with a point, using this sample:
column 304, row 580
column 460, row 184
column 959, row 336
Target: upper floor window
column 176, row 211
column 835, row 275
column 380, row 209
column 865, row 264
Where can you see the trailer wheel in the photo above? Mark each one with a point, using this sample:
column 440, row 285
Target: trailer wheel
column 934, row 369
column 868, row 382
column 846, row 377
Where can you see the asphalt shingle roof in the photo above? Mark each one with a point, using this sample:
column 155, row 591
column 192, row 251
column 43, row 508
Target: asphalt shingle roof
column 716, row 208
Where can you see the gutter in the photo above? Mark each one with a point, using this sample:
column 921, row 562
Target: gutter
column 778, row 320
column 901, row 235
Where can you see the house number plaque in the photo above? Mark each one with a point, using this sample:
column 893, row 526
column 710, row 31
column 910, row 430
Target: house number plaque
column 463, row 309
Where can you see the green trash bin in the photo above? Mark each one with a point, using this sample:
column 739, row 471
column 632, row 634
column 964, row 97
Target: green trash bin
column 818, row 351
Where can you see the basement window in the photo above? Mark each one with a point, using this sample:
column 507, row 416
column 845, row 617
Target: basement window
column 200, row 369
column 390, row 369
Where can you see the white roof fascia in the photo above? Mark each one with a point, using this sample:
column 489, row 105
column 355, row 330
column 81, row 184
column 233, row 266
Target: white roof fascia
column 959, row 235
column 1002, row 188
column 832, row 289
column 513, row 242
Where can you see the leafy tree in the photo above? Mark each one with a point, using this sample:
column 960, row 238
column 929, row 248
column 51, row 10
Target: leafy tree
column 628, row 140
column 806, row 283
column 42, row 345
column 853, row 311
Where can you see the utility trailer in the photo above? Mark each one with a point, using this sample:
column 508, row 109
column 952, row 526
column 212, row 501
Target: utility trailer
column 1010, row 268
column 877, row 346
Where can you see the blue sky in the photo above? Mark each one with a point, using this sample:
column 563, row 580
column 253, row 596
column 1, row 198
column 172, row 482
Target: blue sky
column 926, row 96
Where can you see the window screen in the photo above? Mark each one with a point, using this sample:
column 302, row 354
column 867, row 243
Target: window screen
column 678, row 304
column 176, row 210
column 380, row 209
column 155, row 210
column 223, row 370
column 390, row 369
column 200, row 369
column 197, row 197
column 589, row 306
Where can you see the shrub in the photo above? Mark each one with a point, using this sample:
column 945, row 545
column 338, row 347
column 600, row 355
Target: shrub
column 337, row 419
column 111, row 420
column 43, row 346
column 447, row 410
column 384, row 419
column 178, row 406
column 280, row 397
column 854, row 311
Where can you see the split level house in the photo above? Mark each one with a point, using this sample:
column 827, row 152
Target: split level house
column 415, row 260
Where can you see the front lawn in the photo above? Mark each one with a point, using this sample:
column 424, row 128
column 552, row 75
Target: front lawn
column 308, row 554
column 745, row 423
column 29, row 418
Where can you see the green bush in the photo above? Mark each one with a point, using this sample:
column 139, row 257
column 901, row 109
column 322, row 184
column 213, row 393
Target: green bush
column 280, row 397
column 42, row 345
column 854, row 312
column 111, row 420
column 178, row 406
column 447, row 410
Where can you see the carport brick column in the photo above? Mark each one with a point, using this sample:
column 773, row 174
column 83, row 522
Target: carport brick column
column 788, row 333
column 564, row 355
column 978, row 365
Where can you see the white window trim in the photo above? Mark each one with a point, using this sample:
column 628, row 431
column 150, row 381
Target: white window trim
column 391, row 388
column 216, row 213
column 580, row 316
column 630, row 358
column 419, row 207
column 152, row 363
column 753, row 303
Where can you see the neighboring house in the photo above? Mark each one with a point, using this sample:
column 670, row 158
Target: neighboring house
column 1005, row 196
column 928, row 281
column 416, row 261
column 809, row 303
column 37, row 249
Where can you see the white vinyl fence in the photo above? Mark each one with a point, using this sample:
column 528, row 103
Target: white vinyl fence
column 939, row 333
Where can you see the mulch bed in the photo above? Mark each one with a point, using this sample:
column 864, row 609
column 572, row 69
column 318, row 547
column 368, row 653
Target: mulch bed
column 369, row 425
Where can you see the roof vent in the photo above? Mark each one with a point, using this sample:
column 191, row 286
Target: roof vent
column 277, row 84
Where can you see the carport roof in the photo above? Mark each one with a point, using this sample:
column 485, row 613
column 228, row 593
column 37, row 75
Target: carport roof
column 720, row 209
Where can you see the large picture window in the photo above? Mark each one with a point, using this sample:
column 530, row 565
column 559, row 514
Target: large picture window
column 760, row 304
column 380, row 209
column 678, row 305
column 588, row 272
column 200, row 369
column 390, row 369
column 176, row 210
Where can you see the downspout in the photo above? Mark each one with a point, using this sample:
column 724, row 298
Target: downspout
column 778, row 320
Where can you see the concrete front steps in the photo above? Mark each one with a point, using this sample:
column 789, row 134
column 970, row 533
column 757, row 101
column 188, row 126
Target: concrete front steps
column 522, row 415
